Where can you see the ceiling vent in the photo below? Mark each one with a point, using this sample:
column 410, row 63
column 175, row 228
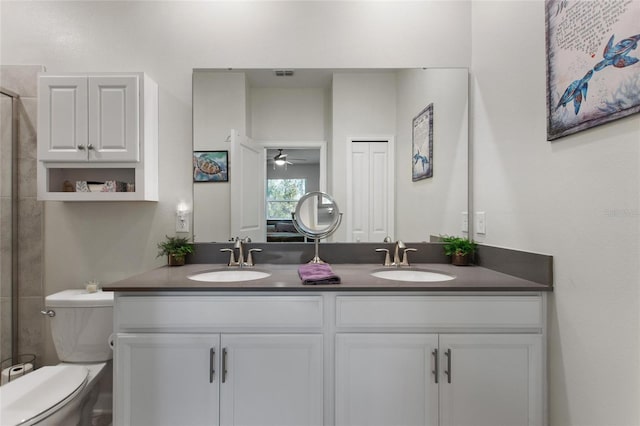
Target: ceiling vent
column 283, row 73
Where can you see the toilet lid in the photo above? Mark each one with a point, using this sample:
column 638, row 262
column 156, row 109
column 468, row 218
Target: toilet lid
column 38, row 394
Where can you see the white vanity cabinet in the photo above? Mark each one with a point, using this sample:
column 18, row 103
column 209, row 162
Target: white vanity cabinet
column 429, row 379
column 97, row 127
column 491, row 379
column 386, row 379
column 330, row 358
column 440, row 360
column 259, row 369
column 167, row 379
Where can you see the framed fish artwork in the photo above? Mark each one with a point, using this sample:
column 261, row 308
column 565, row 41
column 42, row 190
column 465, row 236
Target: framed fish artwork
column 593, row 63
column 210, row 166
column 422, row 145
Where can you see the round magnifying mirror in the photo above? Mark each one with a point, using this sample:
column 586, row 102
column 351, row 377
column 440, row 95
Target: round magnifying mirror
column 317, row 215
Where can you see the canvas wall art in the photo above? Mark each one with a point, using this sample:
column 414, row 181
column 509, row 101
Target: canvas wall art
column 210, row 166
column 593, row 70
column 422, row 142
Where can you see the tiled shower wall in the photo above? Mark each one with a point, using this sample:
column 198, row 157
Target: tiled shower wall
column 22, row 80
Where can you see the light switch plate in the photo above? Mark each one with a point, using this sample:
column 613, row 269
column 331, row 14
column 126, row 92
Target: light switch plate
column 182, row 222
column 481, row 223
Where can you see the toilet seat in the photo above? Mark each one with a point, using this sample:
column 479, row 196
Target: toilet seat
column 39, row 394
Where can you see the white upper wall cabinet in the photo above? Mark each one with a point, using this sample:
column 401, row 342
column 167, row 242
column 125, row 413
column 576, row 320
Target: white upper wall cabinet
column 97, row 128
column 89, row 118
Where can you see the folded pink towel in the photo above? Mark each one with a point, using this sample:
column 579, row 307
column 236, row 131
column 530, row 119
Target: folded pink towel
column 317, row 273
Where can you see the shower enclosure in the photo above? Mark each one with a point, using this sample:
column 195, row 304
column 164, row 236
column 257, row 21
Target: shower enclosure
column 8, row 226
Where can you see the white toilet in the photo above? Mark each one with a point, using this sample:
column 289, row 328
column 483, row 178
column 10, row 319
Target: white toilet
column 81, row 325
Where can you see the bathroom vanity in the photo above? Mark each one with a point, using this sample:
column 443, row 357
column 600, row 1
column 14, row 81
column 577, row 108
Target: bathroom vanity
column 368, row 351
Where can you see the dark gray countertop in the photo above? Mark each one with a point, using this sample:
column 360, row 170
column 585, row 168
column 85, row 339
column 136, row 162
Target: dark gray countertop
column 354, row 277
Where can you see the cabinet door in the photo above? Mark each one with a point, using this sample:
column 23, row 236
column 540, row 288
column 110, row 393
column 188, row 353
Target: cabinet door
column 386, row 379
column 62, row 118
column 491, row 380
column 114, row 118
column 166, row 379
column 271, row 380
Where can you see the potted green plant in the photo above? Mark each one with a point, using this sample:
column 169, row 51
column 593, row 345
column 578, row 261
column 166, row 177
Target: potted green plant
column 460, row 249
column 175, row 248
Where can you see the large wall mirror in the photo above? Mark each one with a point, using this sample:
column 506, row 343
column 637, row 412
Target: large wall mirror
column 347, row 132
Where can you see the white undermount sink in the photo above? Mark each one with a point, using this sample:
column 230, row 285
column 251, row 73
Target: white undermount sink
column 232, row 275
column 414, row 275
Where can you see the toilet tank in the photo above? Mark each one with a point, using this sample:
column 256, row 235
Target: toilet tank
column 82, row 325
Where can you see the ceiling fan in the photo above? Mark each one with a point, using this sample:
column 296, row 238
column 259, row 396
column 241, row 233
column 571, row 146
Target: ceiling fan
column 280, row 159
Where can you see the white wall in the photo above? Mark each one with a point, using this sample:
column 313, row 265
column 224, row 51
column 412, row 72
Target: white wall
column 364, row 106
column 110, row 241
column 576, row 199
column 432, row 206
column 296, row 114
column 219, row 106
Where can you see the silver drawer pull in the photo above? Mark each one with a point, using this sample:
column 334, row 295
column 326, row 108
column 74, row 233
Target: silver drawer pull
column 435, row 364
column 448, row 370
column 50, row 313
column 224, row 365
column 212, row 370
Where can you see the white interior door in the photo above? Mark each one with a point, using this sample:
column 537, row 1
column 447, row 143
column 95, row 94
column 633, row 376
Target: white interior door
column 370, row 190
column 246, row 178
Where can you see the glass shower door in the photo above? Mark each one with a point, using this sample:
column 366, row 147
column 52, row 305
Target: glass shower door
column 8, row 225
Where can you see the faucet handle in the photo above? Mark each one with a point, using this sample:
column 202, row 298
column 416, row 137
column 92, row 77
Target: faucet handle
column 405, row 256
column 249, row 261
column 387, row 260
column 232, row 258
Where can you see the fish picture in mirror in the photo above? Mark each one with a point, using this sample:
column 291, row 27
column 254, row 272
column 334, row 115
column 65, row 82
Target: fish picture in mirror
column 210, row 166
column 422, row 152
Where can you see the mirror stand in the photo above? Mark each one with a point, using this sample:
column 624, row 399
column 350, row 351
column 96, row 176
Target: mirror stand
column 317, row 216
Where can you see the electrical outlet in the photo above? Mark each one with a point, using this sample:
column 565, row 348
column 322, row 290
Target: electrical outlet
column 182, row 222
column 465, row 222
column 481, row 223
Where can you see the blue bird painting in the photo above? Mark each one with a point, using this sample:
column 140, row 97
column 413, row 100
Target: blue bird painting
column 617, row 55
column 422, row 158
column 576, row 92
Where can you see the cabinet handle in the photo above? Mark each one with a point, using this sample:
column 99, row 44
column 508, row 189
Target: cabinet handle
column 448, row 370
column 81, row 147
column 224, row 365
column 90, row 147
column 212, row 368
column 435, row 365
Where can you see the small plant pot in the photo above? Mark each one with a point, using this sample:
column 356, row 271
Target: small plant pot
column 175, row 260
column 460, row 259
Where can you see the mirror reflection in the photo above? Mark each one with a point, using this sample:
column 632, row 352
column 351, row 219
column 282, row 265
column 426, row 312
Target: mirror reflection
column 343, row 131
column 316, row 215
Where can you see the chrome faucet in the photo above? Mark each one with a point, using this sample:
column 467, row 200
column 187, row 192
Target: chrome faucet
column 397, row 260
column 238, row 244
column 396, row 253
